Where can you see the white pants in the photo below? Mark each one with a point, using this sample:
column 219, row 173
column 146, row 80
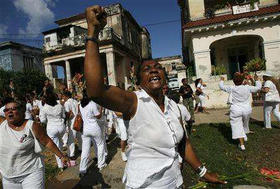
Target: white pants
column 268, row 108
column 121, row 129
column 72, row 135
column 35, row 180
column 92, row 134
column 56, row 132
column 202, row 100
column 239, row 121
column 103, row 126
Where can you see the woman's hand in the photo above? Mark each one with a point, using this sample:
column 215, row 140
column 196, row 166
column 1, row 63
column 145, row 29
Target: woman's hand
column 96, row 20
column 65, row 160
column 213, row 178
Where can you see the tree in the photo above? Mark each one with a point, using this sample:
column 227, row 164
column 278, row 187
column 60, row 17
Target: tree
column 24, row 82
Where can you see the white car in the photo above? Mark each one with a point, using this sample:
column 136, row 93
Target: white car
column 173, row 84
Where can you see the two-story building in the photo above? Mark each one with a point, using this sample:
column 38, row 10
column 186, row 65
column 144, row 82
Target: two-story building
column 230, row 33
column 123, row 43
column 19, row 57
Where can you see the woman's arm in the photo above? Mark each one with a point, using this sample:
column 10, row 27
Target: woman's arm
column 46, row 141
column 223, row 87
column 107, row 96
column 192, row 159
column 254, row 89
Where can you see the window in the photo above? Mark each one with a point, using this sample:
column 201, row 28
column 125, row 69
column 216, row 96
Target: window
column 48, row 39
column 28, row 63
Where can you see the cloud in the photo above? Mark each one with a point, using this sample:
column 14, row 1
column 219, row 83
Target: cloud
column 3, row 29
column 38, row 13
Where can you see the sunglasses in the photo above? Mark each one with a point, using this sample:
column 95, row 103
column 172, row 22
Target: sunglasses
column 11, row 109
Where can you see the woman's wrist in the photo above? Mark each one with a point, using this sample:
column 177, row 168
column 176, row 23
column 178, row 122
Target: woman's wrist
column 201, row 171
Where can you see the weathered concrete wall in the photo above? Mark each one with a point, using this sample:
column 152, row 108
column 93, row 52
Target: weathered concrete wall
column 6, row 59
column 196, row 9
column 268, row 2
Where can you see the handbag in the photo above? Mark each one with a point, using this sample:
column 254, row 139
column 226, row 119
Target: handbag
column 78, row 122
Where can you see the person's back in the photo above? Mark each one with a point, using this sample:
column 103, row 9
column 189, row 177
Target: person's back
column 88, row 114
column 54, row 115
column 241, row 96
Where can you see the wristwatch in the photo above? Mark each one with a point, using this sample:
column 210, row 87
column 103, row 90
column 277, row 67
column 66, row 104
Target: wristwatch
column 94, row 39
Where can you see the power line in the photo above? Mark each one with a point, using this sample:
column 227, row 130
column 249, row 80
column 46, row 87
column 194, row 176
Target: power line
column 163, row 22
column 145, row 25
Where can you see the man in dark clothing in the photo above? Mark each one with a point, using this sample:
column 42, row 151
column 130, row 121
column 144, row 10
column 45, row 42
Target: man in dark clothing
column 187, row 94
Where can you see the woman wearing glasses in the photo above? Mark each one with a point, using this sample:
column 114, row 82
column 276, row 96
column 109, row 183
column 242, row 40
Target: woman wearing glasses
column 154, row 128
column 20, row 166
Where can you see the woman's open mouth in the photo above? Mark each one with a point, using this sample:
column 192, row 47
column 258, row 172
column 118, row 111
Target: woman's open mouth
column 154, row 79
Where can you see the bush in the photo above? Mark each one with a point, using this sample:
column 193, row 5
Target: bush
column 255, row 65
column 219, row 70
column 24, row 82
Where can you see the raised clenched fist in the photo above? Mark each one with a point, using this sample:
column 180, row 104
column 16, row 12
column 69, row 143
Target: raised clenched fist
column 96, row 20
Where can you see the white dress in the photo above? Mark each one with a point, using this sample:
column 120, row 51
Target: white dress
column 72, row 105
column 240, row 109
column 120, row 127
column 152, row 158
column 271, row 103
column 92, row 133
column 201, row 97
column 54, row 117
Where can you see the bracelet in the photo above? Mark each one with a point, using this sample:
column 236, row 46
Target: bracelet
column 201, row 171
column 95, row 40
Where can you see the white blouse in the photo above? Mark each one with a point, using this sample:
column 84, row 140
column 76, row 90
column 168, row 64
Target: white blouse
column 152, row 139
column 241, row 94
column 54, row 115
column 88, row 114
column 272, row 95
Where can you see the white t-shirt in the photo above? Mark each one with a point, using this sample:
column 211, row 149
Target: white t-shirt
column 88, row 114
column 272, row 95
column 38, row 103
column 241, row 95
column 28, row 111
column 71, row 105
column 54, row 115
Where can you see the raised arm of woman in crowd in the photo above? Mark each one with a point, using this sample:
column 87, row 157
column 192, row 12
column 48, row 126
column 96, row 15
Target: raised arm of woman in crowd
column 223, row 87
column 107, row 96
column 46, row 141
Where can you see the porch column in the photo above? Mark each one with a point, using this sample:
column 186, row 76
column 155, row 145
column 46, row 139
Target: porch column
column 125, row 62
column 110, row 61
column 48, row 71
column 271, row 52
column 202, row 64
column 68, row 73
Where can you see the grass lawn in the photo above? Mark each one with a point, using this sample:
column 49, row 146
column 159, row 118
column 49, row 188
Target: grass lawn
column 215, row 148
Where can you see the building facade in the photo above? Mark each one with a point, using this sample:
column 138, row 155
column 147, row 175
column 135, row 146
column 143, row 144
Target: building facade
column 174, row 69
column 19, row 57
column 230, row 35
column 122, row 44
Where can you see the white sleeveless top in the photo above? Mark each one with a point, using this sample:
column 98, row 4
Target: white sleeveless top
column 152, row 139
column 17, row 156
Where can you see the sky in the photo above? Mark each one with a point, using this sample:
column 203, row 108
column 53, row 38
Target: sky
column 24, row 20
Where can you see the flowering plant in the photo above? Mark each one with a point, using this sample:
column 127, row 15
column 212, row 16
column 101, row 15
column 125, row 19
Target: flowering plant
column 255, row 65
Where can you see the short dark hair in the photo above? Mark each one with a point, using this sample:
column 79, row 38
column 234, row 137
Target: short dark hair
column 20, row 103
column 67, row 93
column 175, row 97
column 238, row 78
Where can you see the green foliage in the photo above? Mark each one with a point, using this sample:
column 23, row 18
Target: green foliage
column 214, row 146
column 24, row 82
column 219, row 70
column 255, row 65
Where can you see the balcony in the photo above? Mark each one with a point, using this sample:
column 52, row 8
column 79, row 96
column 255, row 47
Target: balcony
column 79, row 41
